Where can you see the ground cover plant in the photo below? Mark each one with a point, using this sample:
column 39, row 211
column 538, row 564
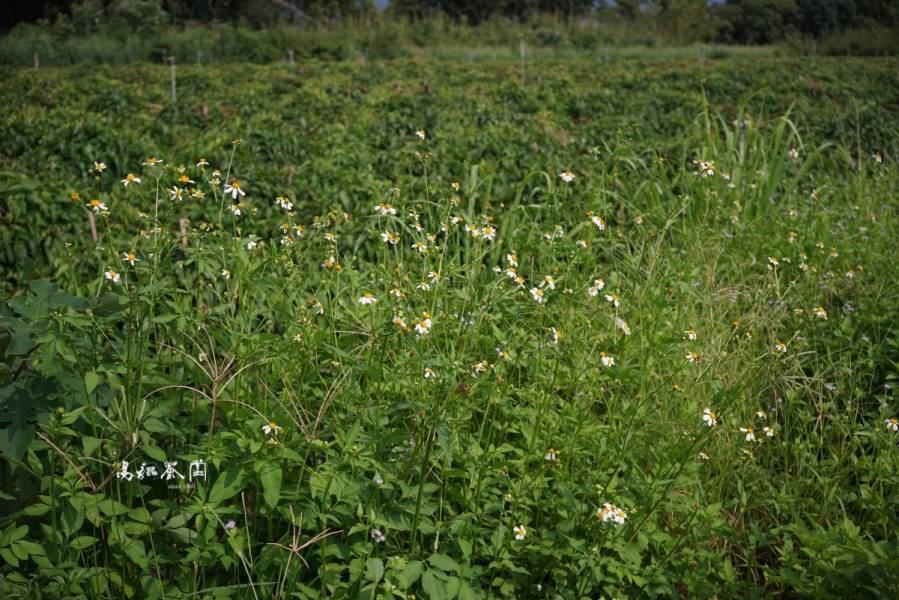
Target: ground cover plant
column 434, row 330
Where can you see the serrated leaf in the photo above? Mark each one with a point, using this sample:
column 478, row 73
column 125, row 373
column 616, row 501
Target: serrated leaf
column 374, row 569
column 443, row 562
column 466, row 593
column 413, row 570
column 432, row 586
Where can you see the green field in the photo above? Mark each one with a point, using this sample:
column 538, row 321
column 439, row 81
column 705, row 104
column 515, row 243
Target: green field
column 611, row 328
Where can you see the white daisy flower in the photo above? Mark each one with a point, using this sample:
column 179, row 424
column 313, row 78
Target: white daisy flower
column 607, row 361
column 284, row 203
column 385, row 209
column 233, row 188
column 423, row 327
column 271, row 428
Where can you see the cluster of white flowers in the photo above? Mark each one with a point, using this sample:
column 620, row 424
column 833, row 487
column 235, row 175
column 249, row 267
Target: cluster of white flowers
column 611, row 513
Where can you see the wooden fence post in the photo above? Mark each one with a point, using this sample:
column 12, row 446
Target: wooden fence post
column 174, row 97
column 521, row 54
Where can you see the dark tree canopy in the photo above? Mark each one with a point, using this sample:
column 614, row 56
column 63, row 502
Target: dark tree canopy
column 736, row 21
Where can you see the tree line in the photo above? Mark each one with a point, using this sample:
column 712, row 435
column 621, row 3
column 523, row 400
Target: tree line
column 730, row 21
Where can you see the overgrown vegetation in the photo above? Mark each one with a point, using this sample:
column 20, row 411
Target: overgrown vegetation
column 606, row 331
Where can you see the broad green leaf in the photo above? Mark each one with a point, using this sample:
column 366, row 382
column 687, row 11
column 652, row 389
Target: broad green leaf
column 270, row 474
column 91, row 381
column 413, row 570
column 443, row 562
column 135, row 550
column 374, row 569
column 433, row 587
column 228, row 484
column 9, row 557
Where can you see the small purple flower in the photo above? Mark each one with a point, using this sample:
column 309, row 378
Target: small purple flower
column 231, row 524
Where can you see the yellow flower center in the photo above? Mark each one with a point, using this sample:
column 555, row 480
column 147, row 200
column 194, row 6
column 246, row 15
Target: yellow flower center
column 184, row 179
column 235, row 184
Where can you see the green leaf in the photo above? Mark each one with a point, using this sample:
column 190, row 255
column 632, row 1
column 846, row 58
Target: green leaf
column 9, row 557
column 32, row 547
column 443, row 562
column 135, row 550
column 36, row 510
column 432, row 586
column 444, row 438
column 81, row 542
column 20, row 342
column 374, row 569
column 155, row 453
column 91, row 381
column 452, row 587
column 19, row 550
column 270, row 474
column 413, row 570
column 164, row 318
column 90, row 444
column 466, row 593
column 228, row 484
column 11, row 535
